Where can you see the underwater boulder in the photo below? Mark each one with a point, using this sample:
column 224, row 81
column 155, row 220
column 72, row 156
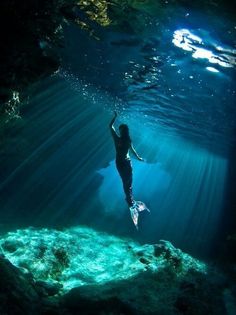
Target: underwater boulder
column 20, row 294
column 17, row 292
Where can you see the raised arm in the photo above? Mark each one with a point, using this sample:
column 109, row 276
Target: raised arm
column 111, row 125
column 135, row 153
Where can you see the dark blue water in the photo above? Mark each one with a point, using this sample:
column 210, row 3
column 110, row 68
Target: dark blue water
column 173, row 83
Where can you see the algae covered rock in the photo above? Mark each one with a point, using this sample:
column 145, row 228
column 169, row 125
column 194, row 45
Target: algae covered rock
column 80, row 270
column 81, row 256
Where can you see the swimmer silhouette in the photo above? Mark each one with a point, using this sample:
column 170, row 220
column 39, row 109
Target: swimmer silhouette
column 123, row 145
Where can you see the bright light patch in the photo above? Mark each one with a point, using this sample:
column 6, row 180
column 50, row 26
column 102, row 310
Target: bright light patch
column 184, row 39
column 212, row 69
column 188, row 41
column 203, row 53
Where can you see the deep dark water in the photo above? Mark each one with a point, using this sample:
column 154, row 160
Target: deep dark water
column 172, row 82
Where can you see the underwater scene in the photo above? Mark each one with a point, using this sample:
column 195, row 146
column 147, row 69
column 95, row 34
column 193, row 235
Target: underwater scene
column 117, row 157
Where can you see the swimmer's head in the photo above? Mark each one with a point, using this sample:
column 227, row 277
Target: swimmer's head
column 124, row 131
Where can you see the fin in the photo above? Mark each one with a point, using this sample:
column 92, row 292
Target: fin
column 137, row 207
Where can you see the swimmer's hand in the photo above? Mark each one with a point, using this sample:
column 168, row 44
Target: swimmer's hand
column 112, row 122
column 141, row 159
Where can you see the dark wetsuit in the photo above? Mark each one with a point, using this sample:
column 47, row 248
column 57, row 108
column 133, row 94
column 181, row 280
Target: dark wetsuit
column 123, row 164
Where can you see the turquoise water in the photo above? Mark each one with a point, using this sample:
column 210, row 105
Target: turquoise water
column 173, row 84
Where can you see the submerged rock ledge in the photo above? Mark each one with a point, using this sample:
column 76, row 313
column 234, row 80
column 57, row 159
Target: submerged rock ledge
column 82, row 271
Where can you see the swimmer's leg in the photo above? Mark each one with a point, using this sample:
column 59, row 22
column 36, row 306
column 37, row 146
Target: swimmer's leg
column 125, row 171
